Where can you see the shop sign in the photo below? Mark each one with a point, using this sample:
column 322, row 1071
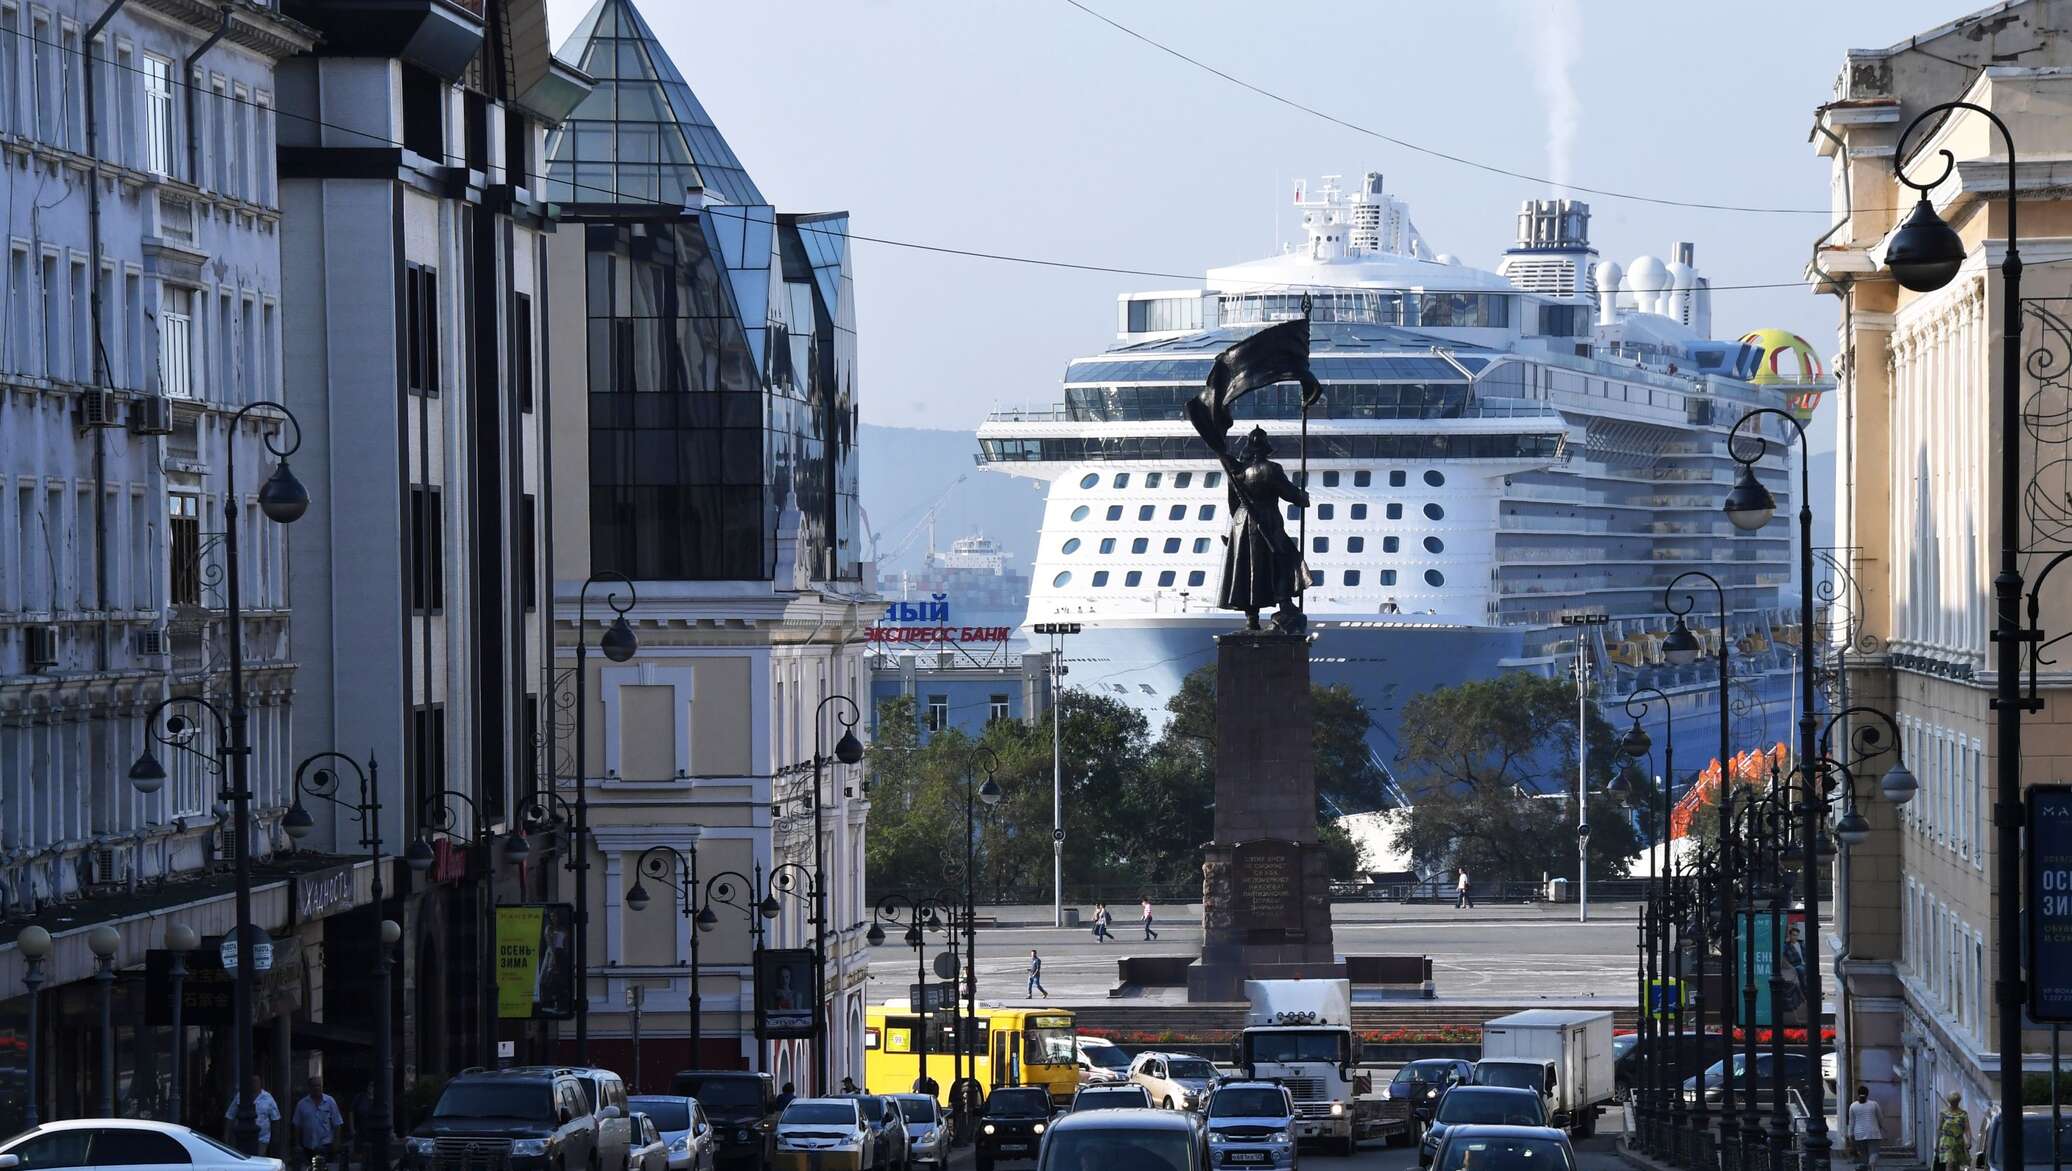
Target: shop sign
column 929, row 622
column 320, row 893
column 535, row 962
column 206, row 990
column 2048, row 879
column 449, row 861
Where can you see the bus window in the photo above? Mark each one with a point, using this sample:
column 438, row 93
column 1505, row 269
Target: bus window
column 1050, row 1045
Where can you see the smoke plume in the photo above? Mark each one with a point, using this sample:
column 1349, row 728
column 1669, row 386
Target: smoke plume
column 1554, row 45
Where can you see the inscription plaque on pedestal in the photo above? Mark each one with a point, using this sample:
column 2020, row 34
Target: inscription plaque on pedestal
column 1267, row 889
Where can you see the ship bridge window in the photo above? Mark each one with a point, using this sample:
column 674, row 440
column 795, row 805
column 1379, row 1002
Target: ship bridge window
column 1182, row 479
column 1062, row 580
column 1072, row 546
column 1151, row 479
column 1435, row 478
column 1201, row 544
column 1330, row 479
column 1140, row 545
column 1434, row 512
column 1356, row 544
column 1434, row 545
column 1145, row 513
column 1196, row 578
column 1325, row 511
column 1388, row 577
column 1134, row 577
column 1316, row 577
column 1079, row 513
column 1205, row 512
column 1165, row 578
column 1352, row 577
column 1395, row 512
column 1434, row 578
column 1359, row 512
column 1463, row 310
column 1100, row 579
column 1090, row 479
column 1164, row 314
column 1177, row 512
column 1398, row 478
column 1115, row 512
column 1320, row 544
column 1107, row 544
column 1363, row 479
column 1391, row 544
column 1212, row 480
column 1172, row 545
column 1122, row 479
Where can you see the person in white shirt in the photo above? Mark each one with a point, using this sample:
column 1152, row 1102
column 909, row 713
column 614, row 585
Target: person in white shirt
column 264, row 1109
column 1461, row 896
column 1866, row 1128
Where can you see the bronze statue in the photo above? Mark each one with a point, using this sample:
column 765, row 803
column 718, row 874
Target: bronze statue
column 1262, row 566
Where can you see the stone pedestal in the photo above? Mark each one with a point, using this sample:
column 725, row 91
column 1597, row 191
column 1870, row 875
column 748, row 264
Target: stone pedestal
column 1266, row 890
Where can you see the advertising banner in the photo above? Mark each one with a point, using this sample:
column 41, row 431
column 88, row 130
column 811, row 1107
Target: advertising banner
column 1793, row 1014
column 535, row 962
column 784, row 993
column 2048, row 882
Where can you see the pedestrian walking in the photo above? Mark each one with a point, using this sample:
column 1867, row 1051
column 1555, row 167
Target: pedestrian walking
column 264, row 1109
column 1148, row 932
column 1101, row 931
column 1953, row 1135
column 360, row 1124
column 785, row 1097
column 1036, row 975
column 849, row 1086
column 1866, row 1128
column 317, row 1125
column 1461, row 895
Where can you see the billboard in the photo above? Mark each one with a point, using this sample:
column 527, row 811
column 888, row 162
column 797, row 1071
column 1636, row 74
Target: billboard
column 1793, row 1008
column 784, row 993
column 535, row 962
column 2048, row 879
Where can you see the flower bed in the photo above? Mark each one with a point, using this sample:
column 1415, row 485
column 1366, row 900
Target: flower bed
column 1453, row 1035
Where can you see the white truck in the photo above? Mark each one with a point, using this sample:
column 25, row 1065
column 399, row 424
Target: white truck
column 1300, row 1032
column 1565, row 1054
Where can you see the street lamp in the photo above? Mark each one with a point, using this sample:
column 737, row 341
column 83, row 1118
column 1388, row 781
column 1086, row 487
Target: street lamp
column 1581, row 623
column 318, row 777
column 965, row 1098
column 1636, row 743
column 924, row 914
column 1682, row 648
column 1057, row 632
column 437, row 816
column 618, row 644
column 180, row 940
column 104, row 941
column 283, row 499
column 679, row 869
column 848, row 750
column 35, row 946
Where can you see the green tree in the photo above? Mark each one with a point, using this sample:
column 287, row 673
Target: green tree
column 1508, row 835
column 1514, row 729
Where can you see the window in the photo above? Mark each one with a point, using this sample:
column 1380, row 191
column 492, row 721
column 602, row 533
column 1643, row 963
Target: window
column 1205, row 512
column 1071, row 546
column 1326, row 511
column 1146, row 512
column 1434, row 578
column 1152, row 479
column 123, row 1146
column 1435, row 478
column 1177, row 512
column 68, row 87
column 1363, row 479
column 1062, row 580
column 1165, row 578
column 80, row 316
column 262, row 151
column 1182, row 479
column 1330, row 479
column 528, row 551
column 64, row 1148
column 427, row 550
column 10, row 46
column 1080, row 513
column 996, row 708
column 1100, row 579
column 1352, row 577
column 1316, row 577
column 158, row 115
column 1134, row 577
column 1201, row 544
column 219, row 137
column 938, row 712
column 184, row 547
column 1320, row 544
column 1434, row 512
column 1398, row 478
column 53, row 321
column 1291, row 512
column 240, row 144
column 1391, row 544
column 1359, row 512
column 1212, row 480
column 421, row 309
column 1172, row 544
column 1434, row 545
column 1196, row 578
column 1089, row 480
column 1395, row 512
column 1140, row 545
column 1356, row 544
column 42, row 83
column 521, row 345
column 1115, row 512
column 1122, row 480
column 1107, row 544
column 1388, row 577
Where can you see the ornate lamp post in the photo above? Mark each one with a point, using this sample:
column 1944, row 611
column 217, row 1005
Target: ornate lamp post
column 1637, row 744
column 679, row 869
column 35, row 946
column 848, row 750
column 104, row 941
column 438, row 817
column 923, row 914
column 618, row 644
column 283, row 499
column 990, row 793
column 180, row 940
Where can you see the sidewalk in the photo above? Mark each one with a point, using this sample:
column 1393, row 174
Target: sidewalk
column 1351, row 912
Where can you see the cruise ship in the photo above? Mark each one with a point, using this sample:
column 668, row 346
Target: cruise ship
column 1494, row 451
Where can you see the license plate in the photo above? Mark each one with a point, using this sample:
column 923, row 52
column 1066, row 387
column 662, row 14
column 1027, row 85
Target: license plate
column 1014, row 1146
column 1244, row 1157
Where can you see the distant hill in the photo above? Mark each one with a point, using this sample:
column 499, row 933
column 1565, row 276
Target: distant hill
column 906, row 469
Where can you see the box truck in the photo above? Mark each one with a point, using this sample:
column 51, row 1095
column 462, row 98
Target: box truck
column 1566, row 1054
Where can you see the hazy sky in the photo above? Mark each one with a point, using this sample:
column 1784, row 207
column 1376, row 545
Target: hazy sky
column 1030, row 128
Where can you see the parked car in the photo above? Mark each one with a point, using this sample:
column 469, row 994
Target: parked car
column 824, row 1134
column 1795, row 1067
column 1176, row 1081
column 1012, row 1124
column 1480, row 1106
column 122, row 1142
column 887, row 1128
column 2035, row 1139
column 742, row 1108
column 1540, row 1147
column 606, row 1092
column 648, row 1152
column 693, row 1145
column 1126, row 1140
column 532, row 1119
column 1101, row 1061
column 928, row 1139
column 1688, row 1052
column 1252, row 1124
column 1127, row 1096
column 1423, row 1083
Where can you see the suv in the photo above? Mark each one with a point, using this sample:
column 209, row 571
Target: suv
column 888, row 1130
column 1126, row 1096
column 1252, row 1124
column 607, row 1095
column 525, row 1119
column 742, row 1107
column 1176, row 1081
column 1013, row 1124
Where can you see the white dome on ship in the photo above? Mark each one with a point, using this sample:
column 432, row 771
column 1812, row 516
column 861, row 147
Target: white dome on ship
column 1607, row 274
column 1647, row 280
column 1449, row 258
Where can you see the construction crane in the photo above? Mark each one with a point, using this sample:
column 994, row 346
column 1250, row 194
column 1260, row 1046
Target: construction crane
column 927, row 522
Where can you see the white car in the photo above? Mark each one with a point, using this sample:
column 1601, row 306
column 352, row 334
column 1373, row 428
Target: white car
column 1176, row 1081
column 1102, row 1062
column 684, row 1128
column 122, row 1142
column 822, row 1130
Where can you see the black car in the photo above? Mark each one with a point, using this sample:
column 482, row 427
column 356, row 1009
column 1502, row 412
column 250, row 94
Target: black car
column 1688, row 1052
column 1012, row 1124
column 742, row 1108
column 524, row 1119
column 1423, row 1083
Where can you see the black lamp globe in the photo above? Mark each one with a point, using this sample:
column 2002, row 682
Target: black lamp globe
column 768, row 907
column 147, row 775
column 848, row 749
column 875, row 936
column 990, row 792
column 637, row 898
column 1923, row 253
column 1750, row 505
column 618, row 643
column 419, row 856
column 1681, row 647
column 1898, row 785
column 1636, row 741
column 282, row 497
column 298, row 823
column 706, row 920
column 1853, row 829
column 516, row 848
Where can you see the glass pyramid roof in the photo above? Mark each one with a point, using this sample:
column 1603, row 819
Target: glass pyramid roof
column 641, row 136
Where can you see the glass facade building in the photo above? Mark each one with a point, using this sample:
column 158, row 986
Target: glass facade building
column 721, row 344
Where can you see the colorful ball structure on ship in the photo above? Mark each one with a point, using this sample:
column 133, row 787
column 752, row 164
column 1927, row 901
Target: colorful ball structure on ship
column 1786, row 360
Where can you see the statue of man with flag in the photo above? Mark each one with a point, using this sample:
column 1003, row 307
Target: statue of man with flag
column 1262, row 565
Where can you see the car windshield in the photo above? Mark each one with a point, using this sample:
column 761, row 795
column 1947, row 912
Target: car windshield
column 1623, row 1044
column 1049, row 1046
column 818, row 1114
column 1425, row 1073
column 1518, row 1077
column 1320, row 1045
column 1466, row 1107
column 1119, row 1098
column 2035, row 1140
column 722, row 1093
column 533, row 1101
column 916, row 1109
column 1104, row 1148
column 1018, row 1103
column 1107, row 1056
column 1191, row 1067
column 872, row 1108
column 1505, row 1154
column 668, row 1113
column 1247, row 1102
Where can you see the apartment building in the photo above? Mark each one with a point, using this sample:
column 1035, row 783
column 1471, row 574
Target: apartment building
column 1916, row 460
column 713, row 463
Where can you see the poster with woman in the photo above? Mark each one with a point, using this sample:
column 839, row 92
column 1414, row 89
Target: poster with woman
column 784, row 993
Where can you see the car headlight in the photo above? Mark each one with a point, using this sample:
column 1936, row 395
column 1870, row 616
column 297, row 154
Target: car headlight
column 419, row 1146
column 529, row 1148
column 1278, row 1136
column 1039, row 1128
column 681, row 1144
column 1433, row 1093
column 1337, row 1109
column 989, row 1128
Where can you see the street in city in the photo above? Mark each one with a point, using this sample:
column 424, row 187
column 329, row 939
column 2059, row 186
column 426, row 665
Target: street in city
column 1595, row 1154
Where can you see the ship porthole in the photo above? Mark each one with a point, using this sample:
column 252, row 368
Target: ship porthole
column 1072, row 546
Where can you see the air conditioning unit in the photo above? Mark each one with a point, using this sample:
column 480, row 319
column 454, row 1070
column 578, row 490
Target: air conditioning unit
column 153, row 644
column 42, row 647
column 97, row 408
column 151, row 415
column 107, row 865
